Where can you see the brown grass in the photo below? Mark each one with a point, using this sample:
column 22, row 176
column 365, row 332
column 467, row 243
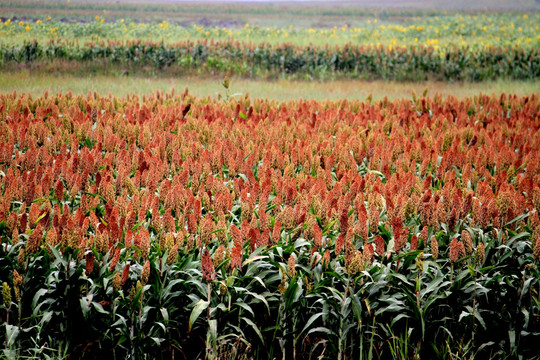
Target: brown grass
column 36, row 84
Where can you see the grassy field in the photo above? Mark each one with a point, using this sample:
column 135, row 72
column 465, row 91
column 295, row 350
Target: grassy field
column 278, row 14
column 26, row 82
column 64, row 31
column 445, row 29
column 387, row 23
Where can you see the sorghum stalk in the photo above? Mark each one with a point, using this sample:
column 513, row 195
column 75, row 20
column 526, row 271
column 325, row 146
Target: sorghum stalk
column 343, row 302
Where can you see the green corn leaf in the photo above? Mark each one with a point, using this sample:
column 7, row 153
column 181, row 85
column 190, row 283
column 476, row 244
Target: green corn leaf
column 197, row 310
column 12, row 332
column 254, row 327
column 311, row 320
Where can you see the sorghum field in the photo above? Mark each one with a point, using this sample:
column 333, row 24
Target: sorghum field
column 180, row 226
column 168, row 225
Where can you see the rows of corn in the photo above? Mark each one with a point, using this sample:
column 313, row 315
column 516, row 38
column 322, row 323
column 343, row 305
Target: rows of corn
column 248, row 59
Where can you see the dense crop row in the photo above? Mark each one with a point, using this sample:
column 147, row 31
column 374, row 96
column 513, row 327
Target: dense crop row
column 493, row 29
column 247, row 59
column 175, row 225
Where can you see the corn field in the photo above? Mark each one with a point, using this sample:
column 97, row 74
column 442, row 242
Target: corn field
column 209, row 57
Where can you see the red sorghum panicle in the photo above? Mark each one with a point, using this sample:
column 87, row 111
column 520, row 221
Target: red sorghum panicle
column 145, row 243
column 145, row 273
column 373, row 218
column 221, row 235
column 236, row 256
column 291, row 266
column 452, row 218
column 99, row 242
column 205, row 229
column 434, row 246
column 536, row 198
column 17, row 278
column 317, row 236
column 197, row 210
column 456, row 250
column 401, row 240
column 326, row 259
column 505, row 202
column 17, row 282
column 368, row 253
column 156, row 219
column 207, row 266
column 21, row 257
column 11, row 221
column 284, row 284
column 379, row 245
column 190, row 243
column 89, row 263
column 167, row 241
column 361, row 227
column 59, row 190
column 237, row 236
column 534, row 220
column 480, row 254
column 536, row 250
column 276, row 232
column 461, row 249
column 397, row 230
column 356, row 264
column 286, row 217
column 344, row 222
column 108, row 191
column 15, row 236
column 115, row 259
column 349, row 247
column 263, row 220
column 168, row 221
column 441, row 212
column 424, row 233
column 23, row 221
column 117, row 281
column 467, row 242
column 173, row 254
column 340, row 243
column 125, row 274
column 33, row 214
column 227, row 259
column 219, row 255
column 180, row 238
column 128, row 183
column 414, row 243
column 34, row 240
